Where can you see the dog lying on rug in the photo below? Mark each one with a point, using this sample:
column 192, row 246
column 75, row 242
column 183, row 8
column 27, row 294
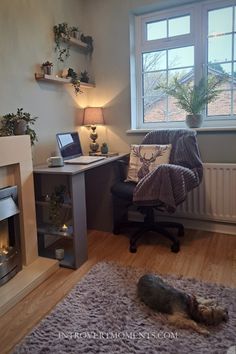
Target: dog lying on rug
column 184, row 310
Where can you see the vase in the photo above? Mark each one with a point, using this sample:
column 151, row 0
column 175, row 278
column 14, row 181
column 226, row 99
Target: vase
column 20, row 127
column 194, row 120
column 104, row 149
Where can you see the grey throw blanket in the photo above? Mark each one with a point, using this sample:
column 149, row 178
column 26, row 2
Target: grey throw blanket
column 169, row 184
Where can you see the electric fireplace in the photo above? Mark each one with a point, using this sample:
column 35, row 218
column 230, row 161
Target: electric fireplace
column 10, row 254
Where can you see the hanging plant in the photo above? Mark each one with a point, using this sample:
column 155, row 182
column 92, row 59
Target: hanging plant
column 74, row 80
column 62, row 37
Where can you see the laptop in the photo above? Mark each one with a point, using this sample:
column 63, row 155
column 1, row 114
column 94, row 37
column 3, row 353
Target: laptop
column 71, row 151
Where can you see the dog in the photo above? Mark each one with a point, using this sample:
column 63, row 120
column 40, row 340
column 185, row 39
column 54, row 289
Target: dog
column 183, row 310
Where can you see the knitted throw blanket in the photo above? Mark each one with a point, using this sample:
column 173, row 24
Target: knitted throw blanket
column 169, row 183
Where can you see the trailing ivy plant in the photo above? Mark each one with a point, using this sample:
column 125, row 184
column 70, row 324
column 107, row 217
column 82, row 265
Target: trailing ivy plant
column 10, row 121
column 74, row 80
column 62, row 39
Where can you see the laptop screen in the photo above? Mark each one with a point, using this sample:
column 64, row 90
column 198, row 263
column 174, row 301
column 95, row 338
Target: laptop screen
column 69, row 145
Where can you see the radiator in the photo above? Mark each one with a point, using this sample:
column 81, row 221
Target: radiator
column 215, row 198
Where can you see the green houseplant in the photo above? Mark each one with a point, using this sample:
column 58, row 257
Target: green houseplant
column 18, row 123
column 62, row 34
column 47, row 67
column 193, row 98
column 74, row 80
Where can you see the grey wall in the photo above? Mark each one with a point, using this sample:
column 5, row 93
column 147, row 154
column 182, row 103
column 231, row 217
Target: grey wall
column 108, row 21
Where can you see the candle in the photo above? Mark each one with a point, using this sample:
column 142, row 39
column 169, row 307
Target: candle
column 64, row 228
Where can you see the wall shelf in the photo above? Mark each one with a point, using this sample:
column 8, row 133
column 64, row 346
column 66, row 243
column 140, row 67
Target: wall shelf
column 78, row 43
column 60, row 80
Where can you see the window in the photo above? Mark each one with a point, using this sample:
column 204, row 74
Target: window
column 187, row 42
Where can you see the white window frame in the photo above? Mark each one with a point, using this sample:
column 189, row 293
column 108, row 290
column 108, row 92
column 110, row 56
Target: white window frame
column 139, row 45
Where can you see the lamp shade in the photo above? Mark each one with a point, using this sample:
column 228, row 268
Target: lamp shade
column 93, row 116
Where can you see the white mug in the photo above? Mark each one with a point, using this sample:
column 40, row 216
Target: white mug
column 55, row 161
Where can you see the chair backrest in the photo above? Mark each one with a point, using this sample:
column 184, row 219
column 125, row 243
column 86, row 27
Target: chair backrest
column 184, row 151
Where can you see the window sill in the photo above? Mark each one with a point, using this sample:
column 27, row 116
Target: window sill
column 202, row 129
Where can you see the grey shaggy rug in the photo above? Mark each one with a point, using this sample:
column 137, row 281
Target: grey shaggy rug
column 102, row 314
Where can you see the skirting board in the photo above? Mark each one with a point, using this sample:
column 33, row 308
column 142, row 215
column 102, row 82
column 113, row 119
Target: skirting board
column 205, row 225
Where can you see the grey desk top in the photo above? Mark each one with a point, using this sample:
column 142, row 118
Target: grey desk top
column 75, row 169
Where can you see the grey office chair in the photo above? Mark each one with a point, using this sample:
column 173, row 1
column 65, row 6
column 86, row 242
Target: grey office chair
column 162, row 189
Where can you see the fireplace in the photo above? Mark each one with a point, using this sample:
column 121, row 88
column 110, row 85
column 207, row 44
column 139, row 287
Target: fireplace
column 10, row 254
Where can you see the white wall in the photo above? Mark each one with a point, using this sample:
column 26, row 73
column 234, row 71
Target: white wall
column 26, row 28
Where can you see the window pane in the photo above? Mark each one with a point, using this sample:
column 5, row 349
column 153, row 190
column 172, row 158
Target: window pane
column 179, row 25
column 234, row 46
column 150, row 82
column 154, row 109
column 234, row 102
column 180, row 57
column 154, row 61
column 234, row 88
column 216, row 69
column 183, row 75
column 220, row 49
column 174, row 112
column 222, row 106
column 235, row 19
column 156, row 30
column 220, row 21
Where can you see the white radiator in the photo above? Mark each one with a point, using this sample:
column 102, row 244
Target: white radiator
column 215, row 198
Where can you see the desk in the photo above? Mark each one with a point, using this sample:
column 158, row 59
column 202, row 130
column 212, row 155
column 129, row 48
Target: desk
column 89, row 204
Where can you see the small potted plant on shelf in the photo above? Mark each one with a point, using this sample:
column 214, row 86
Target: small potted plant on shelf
column 18, row 123
column 193, row 98
column 62, row 37
column 74, row 80
column 84, row 76
column 88, row 40
column 74, row 31
column 47, row 67
column 55, row 205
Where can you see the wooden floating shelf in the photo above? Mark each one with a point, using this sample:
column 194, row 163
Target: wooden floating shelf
column 76, row 42
column 60, row 80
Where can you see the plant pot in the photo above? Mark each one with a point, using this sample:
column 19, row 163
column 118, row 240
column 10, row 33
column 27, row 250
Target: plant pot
column 104, row 149
column 20, row 127
column 47, row 70
column 194, row 121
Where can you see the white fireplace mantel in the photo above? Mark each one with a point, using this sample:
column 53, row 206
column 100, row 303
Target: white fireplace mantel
column 16, row 159
column 16, row 168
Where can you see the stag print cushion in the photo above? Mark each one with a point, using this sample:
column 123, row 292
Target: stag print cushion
column 145, row 158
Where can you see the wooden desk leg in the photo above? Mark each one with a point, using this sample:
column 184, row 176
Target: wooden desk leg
column 77, row 189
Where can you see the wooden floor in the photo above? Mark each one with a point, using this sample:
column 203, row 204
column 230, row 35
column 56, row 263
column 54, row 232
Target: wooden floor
column 204, row 255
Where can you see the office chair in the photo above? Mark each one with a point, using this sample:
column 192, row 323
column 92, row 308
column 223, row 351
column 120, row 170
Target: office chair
column 163, row 189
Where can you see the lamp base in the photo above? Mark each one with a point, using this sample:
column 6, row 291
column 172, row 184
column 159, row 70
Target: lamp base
column 94, row 147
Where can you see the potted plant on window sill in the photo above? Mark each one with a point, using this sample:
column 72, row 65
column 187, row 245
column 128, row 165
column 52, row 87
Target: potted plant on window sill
column 193, row 98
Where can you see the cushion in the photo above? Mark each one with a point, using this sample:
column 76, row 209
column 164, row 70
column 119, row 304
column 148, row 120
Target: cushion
column 146, row 158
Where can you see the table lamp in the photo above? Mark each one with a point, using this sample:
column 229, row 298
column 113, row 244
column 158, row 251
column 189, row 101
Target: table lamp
column 92, row 117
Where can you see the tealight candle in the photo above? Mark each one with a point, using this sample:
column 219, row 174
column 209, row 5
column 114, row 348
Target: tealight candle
column 64, row 227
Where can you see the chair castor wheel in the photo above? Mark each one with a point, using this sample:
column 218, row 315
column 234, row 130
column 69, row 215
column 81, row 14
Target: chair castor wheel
column 132, row 248
column 175, row 247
